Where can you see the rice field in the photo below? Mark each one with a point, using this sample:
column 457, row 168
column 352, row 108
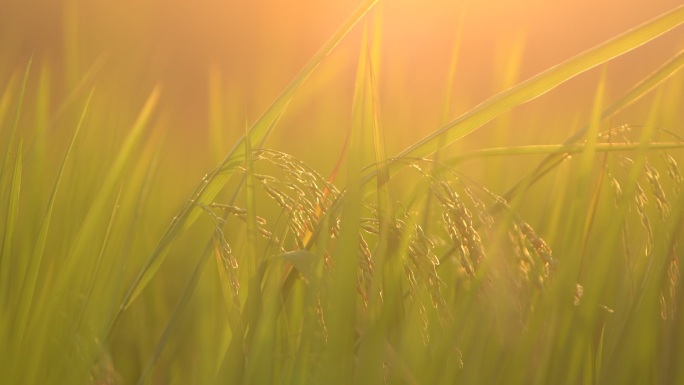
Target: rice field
column 178, row 210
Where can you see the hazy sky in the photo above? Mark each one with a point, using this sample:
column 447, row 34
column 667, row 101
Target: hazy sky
column 260, row 45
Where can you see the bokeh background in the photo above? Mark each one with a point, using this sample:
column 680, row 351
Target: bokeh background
column 245, row 52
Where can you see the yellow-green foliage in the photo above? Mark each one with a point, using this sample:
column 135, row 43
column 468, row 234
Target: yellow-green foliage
column 408, row 268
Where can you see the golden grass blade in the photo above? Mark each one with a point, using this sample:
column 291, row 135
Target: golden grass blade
column 31, row 274
column 544, row 82
column 216, row 180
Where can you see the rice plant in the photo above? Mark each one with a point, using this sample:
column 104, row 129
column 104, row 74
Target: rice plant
column 404, row 269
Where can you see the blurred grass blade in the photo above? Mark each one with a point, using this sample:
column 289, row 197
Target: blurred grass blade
column 251, row 208
column 216, row 110
column 599, row 355
column 664, row 72
column 588, row 163
column 260, row 326
column 28, row 286
column 11, row 212
column 338, row 358
column 253, row 302
column 386, row 209
column 6, row 98
column 176, row 320
column 41, row 112
column 73, row 96
column 216, row 180
column 88, row 296
column 544, row 82
column 380, row 149
column 98, row 209
column 453, row 64
column 15, row 123
column 589, row 154
column 553, row 149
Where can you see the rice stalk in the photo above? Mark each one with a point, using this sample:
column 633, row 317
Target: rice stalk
column 212, row 183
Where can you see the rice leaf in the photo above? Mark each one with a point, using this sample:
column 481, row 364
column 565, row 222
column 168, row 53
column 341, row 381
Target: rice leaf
column 304, row 261
column 541, row 84
column 587, row 164
column 545, row 149
column 661, row 74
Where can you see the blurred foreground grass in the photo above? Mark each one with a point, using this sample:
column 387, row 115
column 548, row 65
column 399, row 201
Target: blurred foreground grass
column 402, row 269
